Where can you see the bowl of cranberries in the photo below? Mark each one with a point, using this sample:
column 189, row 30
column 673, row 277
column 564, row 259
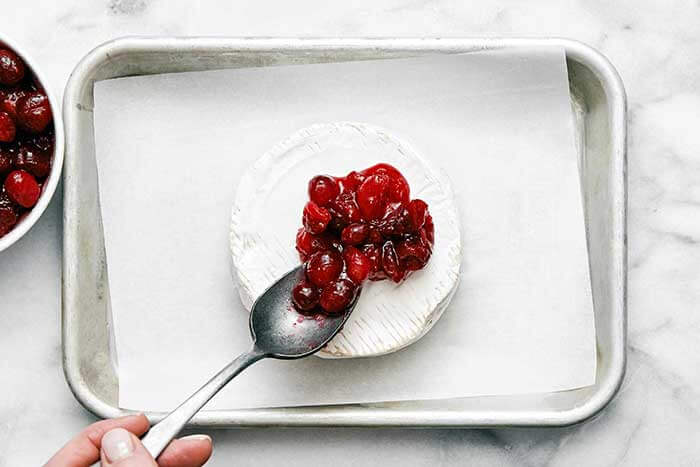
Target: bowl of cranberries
column 31, row 144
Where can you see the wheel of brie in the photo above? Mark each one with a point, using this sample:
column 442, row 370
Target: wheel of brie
column 267, row 214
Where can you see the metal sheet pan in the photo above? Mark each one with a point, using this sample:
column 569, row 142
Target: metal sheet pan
column 600, row 106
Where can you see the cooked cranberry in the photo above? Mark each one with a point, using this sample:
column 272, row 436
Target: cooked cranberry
column 11, row 68
column 315, row 218
column 8, row 213
column 399, row 192
column 352, row 181
column 308, row 243
column 390, row 262
column 374, row 255
column 395, row 221
column 304, row 243
column 357, row 264
column 345, row 209
column 43, row 141
column 5, row 200
column 9, row 98
column 337, row 296
column 354, row 234
column 305, row 296
column 412, row 264
column 382, row 168
column 413, row 253
column 324, row 267
column 375, row 236
column 22, row 188
column 7, row 157
column 417, row 211
column 33, row 160
column 8, row 219
column 323, row 189
column 371, row 196
column 7, row 127
column 429, row 230
column 34, row 112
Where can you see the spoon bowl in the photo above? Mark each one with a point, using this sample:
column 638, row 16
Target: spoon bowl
column 278, row 331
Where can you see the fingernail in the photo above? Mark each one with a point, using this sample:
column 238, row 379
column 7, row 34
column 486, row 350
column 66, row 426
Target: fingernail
column 197, row 438
column 117, row 444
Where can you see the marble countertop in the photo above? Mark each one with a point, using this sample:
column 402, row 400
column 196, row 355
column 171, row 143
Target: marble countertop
column 654, row 420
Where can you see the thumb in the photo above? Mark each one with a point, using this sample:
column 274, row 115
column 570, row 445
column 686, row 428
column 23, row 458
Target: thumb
column 121, row 448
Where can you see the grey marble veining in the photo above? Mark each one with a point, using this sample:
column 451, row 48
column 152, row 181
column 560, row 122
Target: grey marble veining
column 655, row 419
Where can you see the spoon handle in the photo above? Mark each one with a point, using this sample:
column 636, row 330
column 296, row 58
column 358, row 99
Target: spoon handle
column 162, row 433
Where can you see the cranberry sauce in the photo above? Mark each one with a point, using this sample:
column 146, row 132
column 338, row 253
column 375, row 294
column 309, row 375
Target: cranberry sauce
column 358, row 227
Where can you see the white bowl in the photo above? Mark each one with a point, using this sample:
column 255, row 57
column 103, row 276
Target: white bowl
column 51, row 182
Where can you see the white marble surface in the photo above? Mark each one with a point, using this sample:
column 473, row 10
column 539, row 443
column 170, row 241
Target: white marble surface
column 655, row 419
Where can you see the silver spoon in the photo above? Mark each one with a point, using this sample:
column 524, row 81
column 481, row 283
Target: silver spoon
column 277, row 333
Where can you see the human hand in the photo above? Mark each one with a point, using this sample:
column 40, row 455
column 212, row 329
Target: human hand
column 116, row 444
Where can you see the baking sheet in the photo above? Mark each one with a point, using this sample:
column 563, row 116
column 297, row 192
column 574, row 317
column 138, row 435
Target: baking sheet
column 170, row 148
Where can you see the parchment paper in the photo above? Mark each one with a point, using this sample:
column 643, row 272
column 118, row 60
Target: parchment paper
column 170, row 149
